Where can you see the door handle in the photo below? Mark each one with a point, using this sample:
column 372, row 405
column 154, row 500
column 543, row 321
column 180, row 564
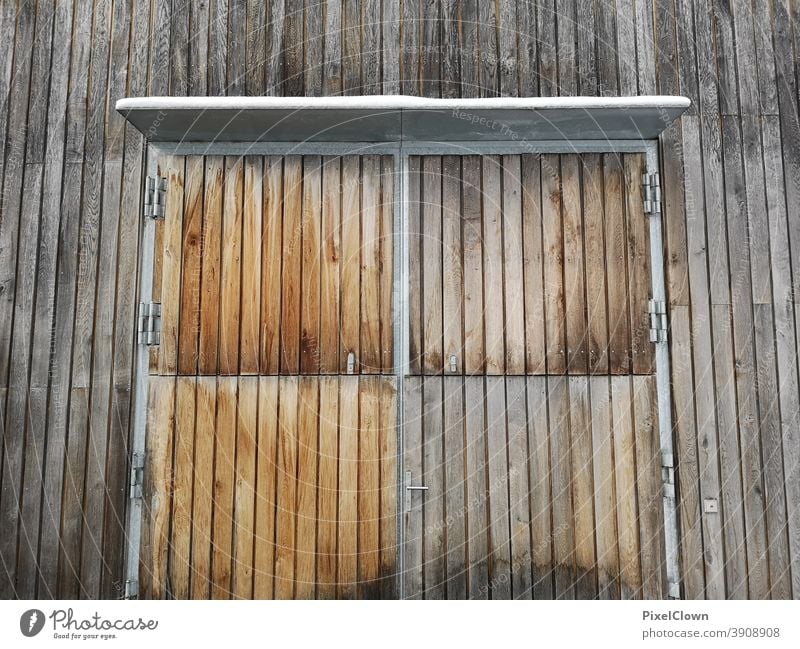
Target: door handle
column 411, row 487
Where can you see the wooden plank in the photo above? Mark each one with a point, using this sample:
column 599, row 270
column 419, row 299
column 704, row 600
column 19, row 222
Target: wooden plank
column 370, row 334
column 513, row 260
column 507, row 46
column 252, row 228
column 619, row 361
column 454, row 494
column 244, row 529
column 648, row 484
column 434, row 549
column 266, row 498
column 223, row 490
column 293, row 45
column 307, row 440
column 532, row 266
column 255, row 47
column 409, row 47
column 518, row 488
column 370, row 47
column 387, row 402
column 487, row 38
column 412, row 507
column 391, row 59
column 310, row 265
column 493, row 265
column 286, row 489
column 329, row 266
column 540, row 495
column 476, row 495
column 231, row 275
column 332, row 52
column 594, row 264
column 561, row 486
column 328, row 481
column 211, row 268
column 271, row 259
column 369, row 489
column 638, row 240
column 291, row 265
column 181, row 531
column 567, row 54
column 275, row 48
column 605, row 502
column 625, row 475
column 499, row 556
column 452, row 264
column 450, row 49
column 431, row 287
column 430, row 58
column 469, row 49
column 351, row 50
column 386, row 264
column 553, row 247
column 574, row 266
column 157, row 489
column 473, row 265
column 312, row 48
column 347, row 565
column 580, row 422
column 198, row 51
column 415, row 288
column 350, row 262
column 191, row 251
column 203, row 497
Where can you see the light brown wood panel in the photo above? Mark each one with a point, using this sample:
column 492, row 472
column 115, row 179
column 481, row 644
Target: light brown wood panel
column 555, row 489
column 289, row 491
column 528, row 264
column 277, row 265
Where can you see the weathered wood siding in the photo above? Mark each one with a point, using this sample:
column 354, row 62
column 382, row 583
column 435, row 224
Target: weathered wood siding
column 69, row 223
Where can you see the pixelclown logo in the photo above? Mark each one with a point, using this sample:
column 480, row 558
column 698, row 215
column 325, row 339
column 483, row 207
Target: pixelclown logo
column 31, row 622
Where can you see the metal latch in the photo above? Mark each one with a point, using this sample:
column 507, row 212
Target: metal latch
column 351, row 363
column 149, row 332
column 651, row 185
column 453, row 363
column 155, row 197
column 137, row 475
column 658, row 321
column 411, row 487
column 668, row 475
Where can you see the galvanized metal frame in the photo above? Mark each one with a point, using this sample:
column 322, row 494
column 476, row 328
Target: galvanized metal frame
column 400, row 152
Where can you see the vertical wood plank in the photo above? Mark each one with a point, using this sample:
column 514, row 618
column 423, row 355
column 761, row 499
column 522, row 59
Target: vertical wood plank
column 473, row 265
column 532, row 267
column 454, row 481
column 386, row 263
column 553, row 247
column 347, row 574
column 307, row 445
column 540, row 478
column 513, row 262
column 493, row 265
column 211, row 268
column 452, row 264
column 181, row 532
column 434, row 567
column 369, row 488
column 415, row 288
column 476, row 507
column 387, row 402
column 371, row 356
column 291, row 265
column 432, row 361
column 310, row 266
column 574, row 288
column 251, row 265
column 286, row 487
column 244, row 491
column 266, row 498
column 329, row 266
column 271, row 260
column 191, row 266
column 499, row 525
column 412, row 507
column 223, row 489
column 350, row 261
column 328, row 483
column 203, row 494
column 231, row 275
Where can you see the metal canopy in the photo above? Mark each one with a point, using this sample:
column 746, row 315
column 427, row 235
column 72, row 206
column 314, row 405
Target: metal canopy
column 399, row 118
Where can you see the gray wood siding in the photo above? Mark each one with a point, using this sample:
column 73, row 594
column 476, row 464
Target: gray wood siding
column 70, row 174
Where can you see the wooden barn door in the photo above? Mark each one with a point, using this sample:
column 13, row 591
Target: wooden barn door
column 271, row 453
column 530, row 412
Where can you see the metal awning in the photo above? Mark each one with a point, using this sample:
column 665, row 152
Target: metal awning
column 396, row 118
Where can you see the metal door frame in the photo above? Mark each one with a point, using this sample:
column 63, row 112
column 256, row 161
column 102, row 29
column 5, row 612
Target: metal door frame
column 400, row 151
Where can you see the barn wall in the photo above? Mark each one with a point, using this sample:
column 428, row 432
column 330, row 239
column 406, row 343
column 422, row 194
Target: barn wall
column 69, row 228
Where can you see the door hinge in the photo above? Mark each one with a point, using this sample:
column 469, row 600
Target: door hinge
column 131, row 589
column 668, row 475
column 658, row 321
column 137, row 476
column 149, row 331
column 155, row 197
column 651, row 185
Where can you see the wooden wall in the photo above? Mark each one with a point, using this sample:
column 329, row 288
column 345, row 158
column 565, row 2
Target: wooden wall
column 69, row 225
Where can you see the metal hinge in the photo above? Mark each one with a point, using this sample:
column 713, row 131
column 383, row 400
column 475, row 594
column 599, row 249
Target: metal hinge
column 137, row 475
column 149, row 331
column 155, row 197
column 668, row 475
column 651, row 185
column 658, row 321
column 131, row 589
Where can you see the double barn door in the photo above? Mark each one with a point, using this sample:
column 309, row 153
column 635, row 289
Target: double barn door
column 520, row 460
